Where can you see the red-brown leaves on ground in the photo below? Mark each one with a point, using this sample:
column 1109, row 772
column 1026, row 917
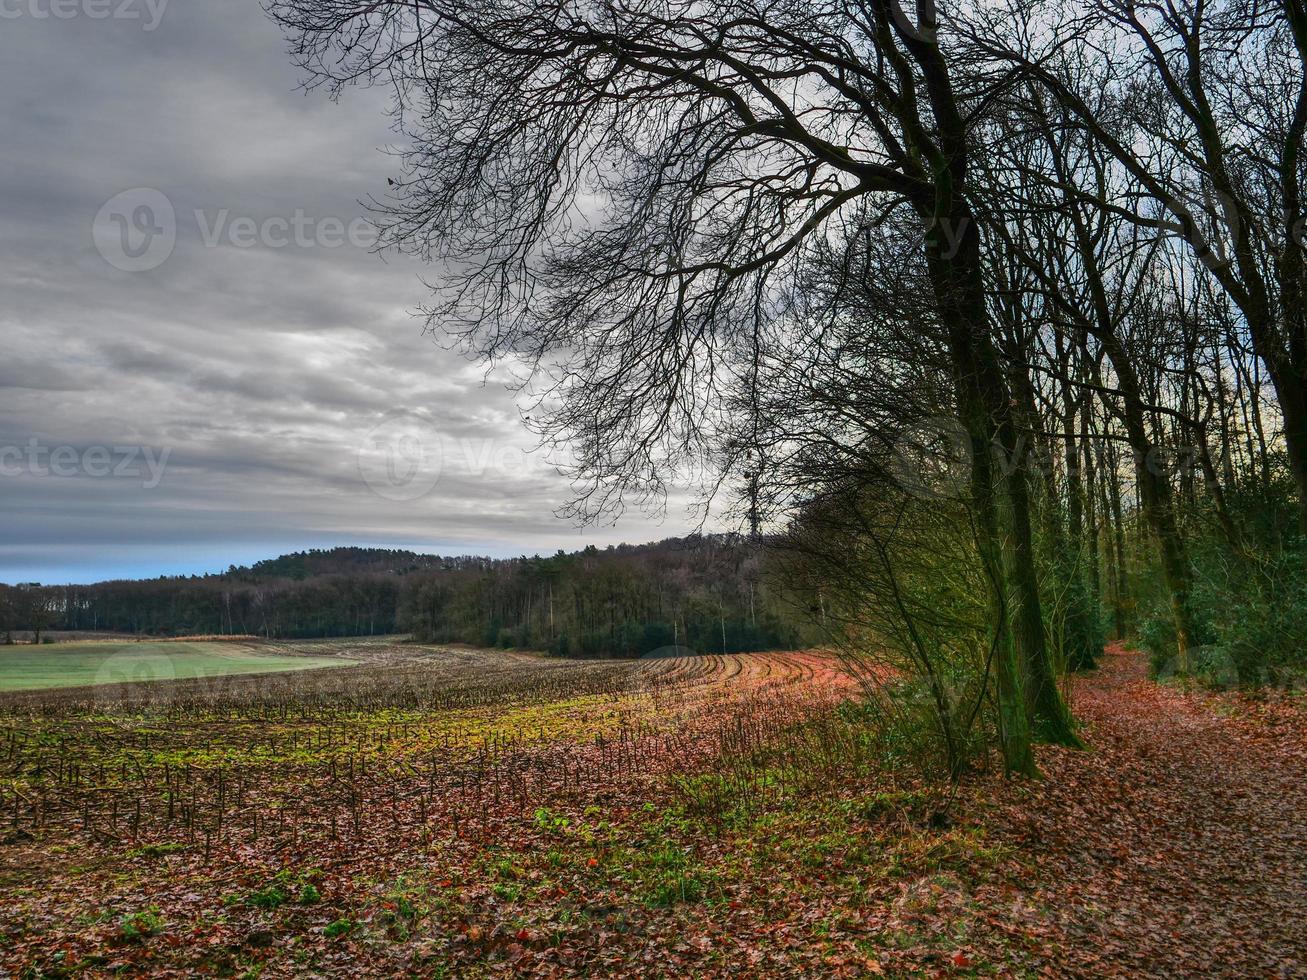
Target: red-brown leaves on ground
column 648, row 829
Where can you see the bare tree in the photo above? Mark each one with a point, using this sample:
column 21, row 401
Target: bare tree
column 622, row 193
column 1097, row 275
column 1204, row 105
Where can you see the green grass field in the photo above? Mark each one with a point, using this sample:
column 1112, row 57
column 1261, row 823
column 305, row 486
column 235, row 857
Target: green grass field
column 30, row 668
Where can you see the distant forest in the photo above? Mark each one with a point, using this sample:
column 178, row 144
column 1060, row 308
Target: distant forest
column 703, row 592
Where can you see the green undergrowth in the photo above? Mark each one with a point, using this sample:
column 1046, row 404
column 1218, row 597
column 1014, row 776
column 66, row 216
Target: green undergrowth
column 847, row 847
column 811, row 830
column 757, row 832
column 286, row 886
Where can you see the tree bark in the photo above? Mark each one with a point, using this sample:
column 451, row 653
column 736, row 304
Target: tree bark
column 1156, row 499
column 1000, row 492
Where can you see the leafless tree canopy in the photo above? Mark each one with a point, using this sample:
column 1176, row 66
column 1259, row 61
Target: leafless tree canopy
column 1036, row 250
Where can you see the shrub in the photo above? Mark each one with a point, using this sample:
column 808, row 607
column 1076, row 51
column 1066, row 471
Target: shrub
column 139, row 925
column 341, row 927
column 1252, row 599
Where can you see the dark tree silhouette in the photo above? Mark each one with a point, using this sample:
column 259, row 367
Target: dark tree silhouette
column 620, row 194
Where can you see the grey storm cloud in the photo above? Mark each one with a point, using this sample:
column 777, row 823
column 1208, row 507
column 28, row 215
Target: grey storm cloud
column 18, row 372
column 258, row 372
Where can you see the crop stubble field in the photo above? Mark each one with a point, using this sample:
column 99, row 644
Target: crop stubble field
column 379, row 812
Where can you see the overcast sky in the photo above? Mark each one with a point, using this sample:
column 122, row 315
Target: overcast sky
column 202, row 362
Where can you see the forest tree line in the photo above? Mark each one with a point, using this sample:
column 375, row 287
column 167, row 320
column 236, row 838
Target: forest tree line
column 703, row 593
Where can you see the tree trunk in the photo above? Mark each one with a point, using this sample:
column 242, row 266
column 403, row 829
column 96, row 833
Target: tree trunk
column 1157, row 501
column 1092, row 538
column 1120, row 619
column 1029, row 698
column 1082, row 630
column 1293, row 410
